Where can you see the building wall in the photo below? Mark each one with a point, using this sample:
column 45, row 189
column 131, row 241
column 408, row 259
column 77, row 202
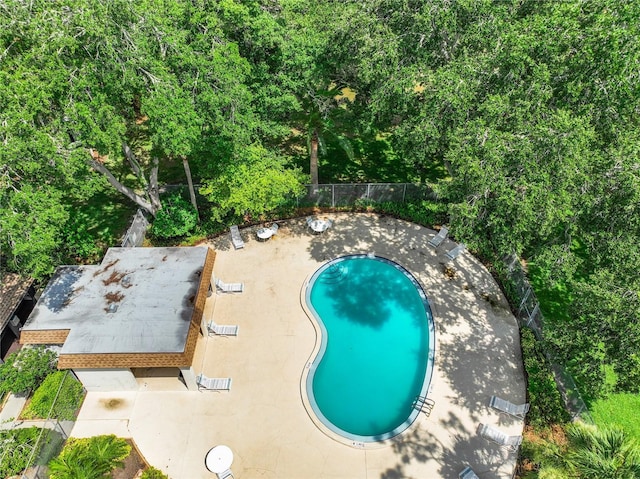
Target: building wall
column 107, row 379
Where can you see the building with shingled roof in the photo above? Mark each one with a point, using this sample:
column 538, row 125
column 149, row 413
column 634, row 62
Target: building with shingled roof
column 140, row 308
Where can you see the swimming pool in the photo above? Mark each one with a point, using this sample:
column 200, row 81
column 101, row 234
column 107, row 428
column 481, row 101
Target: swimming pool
column 376, row 347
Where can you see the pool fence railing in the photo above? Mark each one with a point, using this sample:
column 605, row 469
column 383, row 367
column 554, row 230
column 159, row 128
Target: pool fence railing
column 347, row 194
column 529, row 315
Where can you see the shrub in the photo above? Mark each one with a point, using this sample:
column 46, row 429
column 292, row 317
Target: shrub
column 68, row 402
column 24, row 370
column 90, row 458
column 425, row 213
column 176, row 218
column 17, row 447
column 547, row 407
column 153, row 473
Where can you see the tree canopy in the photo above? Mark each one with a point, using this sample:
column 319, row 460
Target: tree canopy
column 525, row 113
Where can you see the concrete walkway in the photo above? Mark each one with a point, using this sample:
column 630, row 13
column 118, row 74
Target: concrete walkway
column 263, row 419
column 11, row 410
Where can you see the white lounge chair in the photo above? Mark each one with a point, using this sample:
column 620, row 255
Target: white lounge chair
column 229, row 287
column 440, row 237
column 496, row 435
column 222, row 329
column 213, row 384
column 467, row 473
column 515, row 410
column 453, row 254
column 236, row 239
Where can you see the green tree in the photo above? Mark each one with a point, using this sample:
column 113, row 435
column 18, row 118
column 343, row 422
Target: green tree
column 253, row 185
column 323, row 115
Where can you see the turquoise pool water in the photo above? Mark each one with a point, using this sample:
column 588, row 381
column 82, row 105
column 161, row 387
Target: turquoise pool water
column 377, row 347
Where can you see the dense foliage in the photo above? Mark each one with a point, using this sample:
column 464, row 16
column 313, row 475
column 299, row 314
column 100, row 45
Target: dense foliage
column 17, row 446
column 585, row 451
column 91, row 458
column 23, row 371
column 546, row 404
column 59, row 396
column 153, row 473
column 176, row 218
column 526, row 113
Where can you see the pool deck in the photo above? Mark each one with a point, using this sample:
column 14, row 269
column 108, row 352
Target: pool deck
column 263, row 418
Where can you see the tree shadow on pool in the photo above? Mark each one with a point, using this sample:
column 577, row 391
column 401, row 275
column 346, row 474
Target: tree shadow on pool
column 367, row 294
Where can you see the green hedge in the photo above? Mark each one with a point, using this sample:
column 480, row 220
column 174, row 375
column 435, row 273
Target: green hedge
column 547, row 407
column 69, row 399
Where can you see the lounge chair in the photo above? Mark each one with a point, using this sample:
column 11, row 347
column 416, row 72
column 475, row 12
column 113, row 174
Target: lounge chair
column 213, row 384
column 515, row 410
column 225, row 474
column 467, row 473
column 496, row 435
column 236, row 239
column 453, row 254
column 222, row 329
column 440, row 237
column 229, row 287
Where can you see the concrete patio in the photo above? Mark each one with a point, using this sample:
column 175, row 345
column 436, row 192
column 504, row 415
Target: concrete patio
column 263, row 419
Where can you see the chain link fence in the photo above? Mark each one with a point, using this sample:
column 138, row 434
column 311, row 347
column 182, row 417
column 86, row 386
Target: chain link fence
column 135, row 235
column 348, row 194
column 529, row 315
column 29, row 444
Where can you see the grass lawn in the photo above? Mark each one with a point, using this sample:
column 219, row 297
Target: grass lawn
column 374, row 161
column 621, row 410
column 554, row 302
column 618, row 409
column 98, row 224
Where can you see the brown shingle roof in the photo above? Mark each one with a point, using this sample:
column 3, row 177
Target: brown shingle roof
column 12, row 289
column 159, row 295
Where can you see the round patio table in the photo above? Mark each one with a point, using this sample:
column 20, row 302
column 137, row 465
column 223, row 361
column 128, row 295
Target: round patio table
column 319, row 226
column 264, row 233
column 219, row 459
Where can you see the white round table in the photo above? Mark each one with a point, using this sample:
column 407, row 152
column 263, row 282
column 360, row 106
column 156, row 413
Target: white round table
column 219, row 459
column 264, row 233
column 318, row 226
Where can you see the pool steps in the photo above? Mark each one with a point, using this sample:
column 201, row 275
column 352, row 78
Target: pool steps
column 334, row 274
column 423, row 404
